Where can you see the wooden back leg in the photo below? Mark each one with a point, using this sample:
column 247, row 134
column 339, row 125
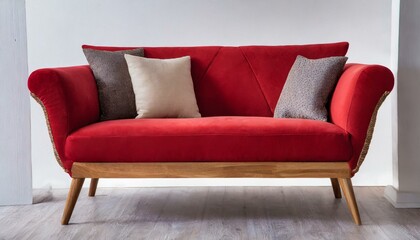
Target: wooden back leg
column 336, row 187
column 75, row 187
column 347, row 187
column 93, row 185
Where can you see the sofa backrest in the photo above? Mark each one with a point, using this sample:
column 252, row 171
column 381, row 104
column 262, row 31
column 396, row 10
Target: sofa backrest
column 240, row 81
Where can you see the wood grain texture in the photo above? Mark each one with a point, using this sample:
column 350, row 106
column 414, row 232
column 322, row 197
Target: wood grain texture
column 210, row 213
column 15, row 126
column 75, row 187
column 336, row 187
column 93, row 186
column 347, row 187
column 212, row 170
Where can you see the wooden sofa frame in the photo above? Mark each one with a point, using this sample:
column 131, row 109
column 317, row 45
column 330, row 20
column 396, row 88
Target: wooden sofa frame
column 338, row 172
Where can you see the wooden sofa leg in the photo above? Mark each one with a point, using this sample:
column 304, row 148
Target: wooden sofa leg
column 347, row 187
column 75, row 187
column 93, row 185
column 336, row 187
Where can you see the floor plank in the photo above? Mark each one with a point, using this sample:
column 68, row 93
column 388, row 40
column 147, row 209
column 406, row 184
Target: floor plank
column 210, row 213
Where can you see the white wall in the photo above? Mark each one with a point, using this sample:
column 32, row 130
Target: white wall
column 15, row 145
column 408, row 99
column 395, row 33
column 406, row 186
column 57, row 29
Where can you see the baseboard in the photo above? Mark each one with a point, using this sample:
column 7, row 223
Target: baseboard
column 401, row 199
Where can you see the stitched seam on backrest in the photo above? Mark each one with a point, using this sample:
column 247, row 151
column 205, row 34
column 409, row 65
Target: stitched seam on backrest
column 256, row 79
column 208, row 67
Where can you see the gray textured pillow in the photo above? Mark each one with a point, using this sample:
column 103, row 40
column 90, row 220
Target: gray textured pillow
column 308, row 87
column 116, row 96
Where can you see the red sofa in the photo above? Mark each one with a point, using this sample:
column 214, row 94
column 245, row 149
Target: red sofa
column 237, row 89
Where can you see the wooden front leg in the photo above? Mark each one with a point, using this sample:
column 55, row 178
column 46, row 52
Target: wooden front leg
column 75, row 187
column 347, row 187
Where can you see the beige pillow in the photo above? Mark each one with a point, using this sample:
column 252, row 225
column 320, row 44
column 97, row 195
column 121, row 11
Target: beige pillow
column 163, row 88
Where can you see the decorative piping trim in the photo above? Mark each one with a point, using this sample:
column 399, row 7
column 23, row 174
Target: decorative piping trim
column 57, row 157
column 369, row 133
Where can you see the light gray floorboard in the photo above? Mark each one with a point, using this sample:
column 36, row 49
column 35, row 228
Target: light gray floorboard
column 210, row 213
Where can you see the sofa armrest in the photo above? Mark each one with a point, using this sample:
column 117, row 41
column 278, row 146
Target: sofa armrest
column 69, row 99
column 359, row 93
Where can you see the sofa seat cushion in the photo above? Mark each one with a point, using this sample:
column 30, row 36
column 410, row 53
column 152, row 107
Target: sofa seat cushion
column 209, row 139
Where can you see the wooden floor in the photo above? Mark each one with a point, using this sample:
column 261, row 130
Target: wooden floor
column 210, row 213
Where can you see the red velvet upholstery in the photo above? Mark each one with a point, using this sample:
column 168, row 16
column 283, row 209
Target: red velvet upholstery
column 229, row 81
column 354, row 100
column 70, row 98
column 240, row 81
column 209, row 139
